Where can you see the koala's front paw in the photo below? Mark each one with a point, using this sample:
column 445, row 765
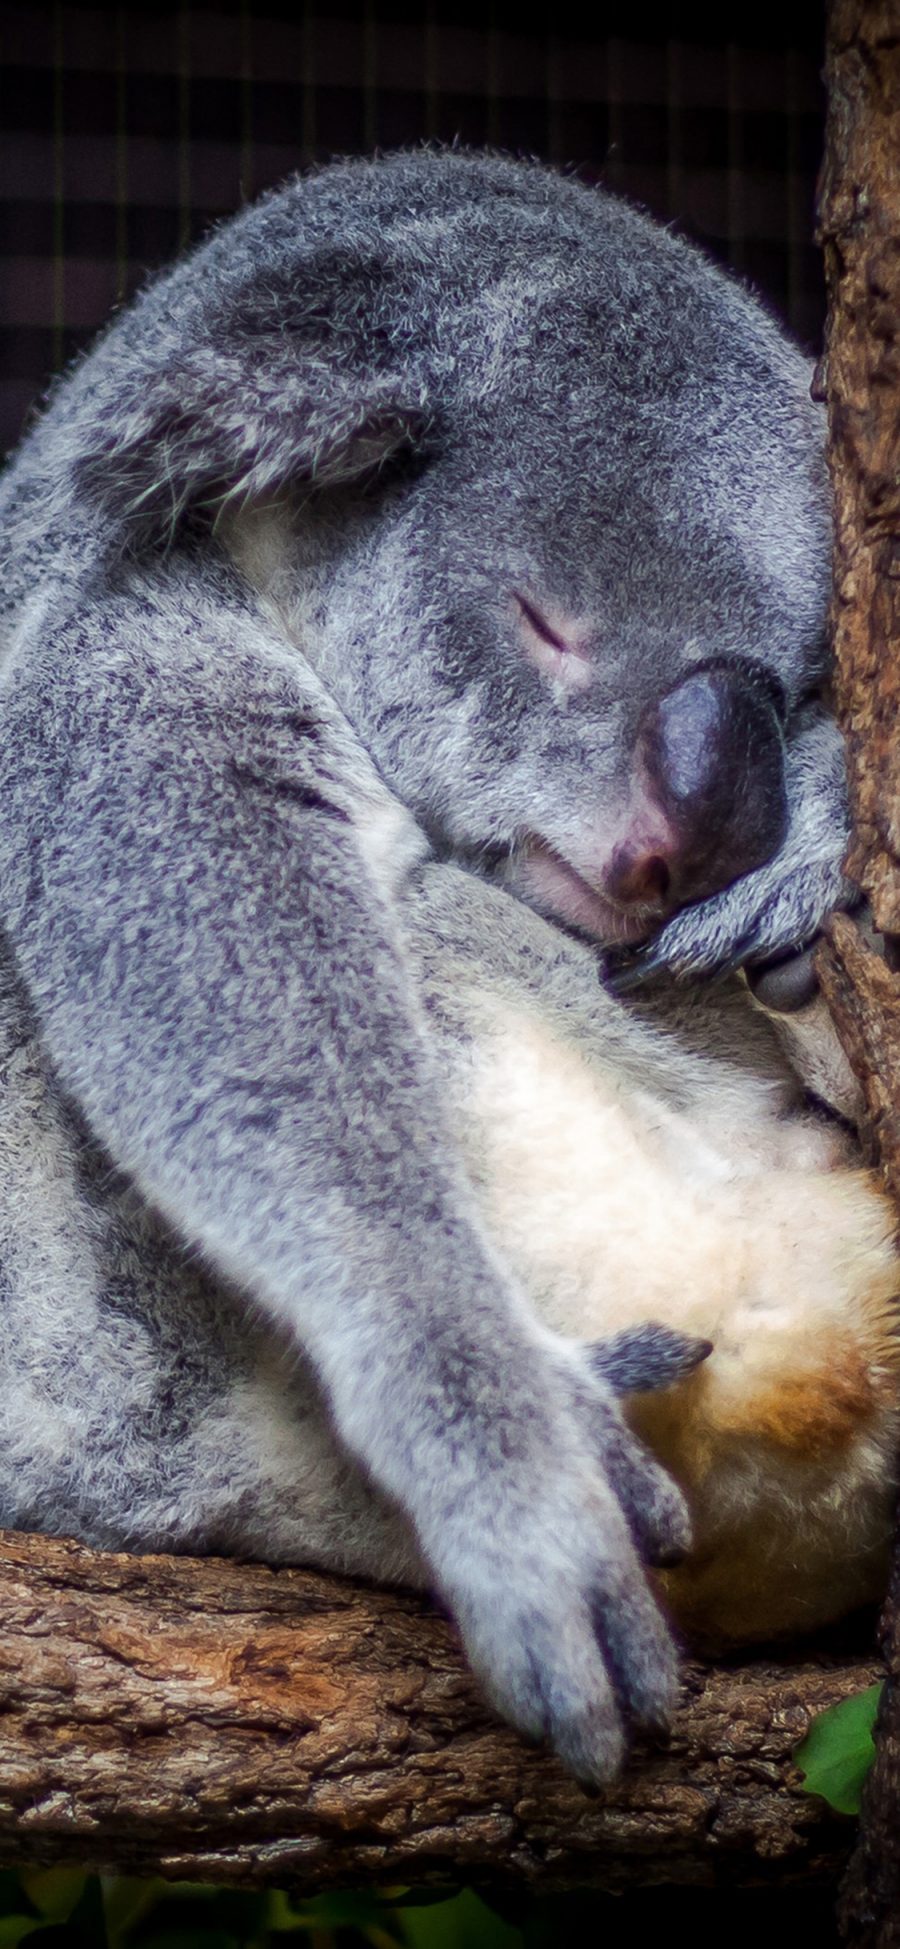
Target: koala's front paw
column 756, row 917
column 541, row 1568
column 778, row 908
column 783, row 903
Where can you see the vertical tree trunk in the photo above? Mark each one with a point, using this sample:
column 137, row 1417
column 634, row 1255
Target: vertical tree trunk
column 860, row 224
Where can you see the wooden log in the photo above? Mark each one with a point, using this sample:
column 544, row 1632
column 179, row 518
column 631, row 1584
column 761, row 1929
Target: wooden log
column 225, row 1722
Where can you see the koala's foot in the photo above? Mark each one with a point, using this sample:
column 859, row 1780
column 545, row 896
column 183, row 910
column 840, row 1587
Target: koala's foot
column 643, row 1358
column 540, row 1563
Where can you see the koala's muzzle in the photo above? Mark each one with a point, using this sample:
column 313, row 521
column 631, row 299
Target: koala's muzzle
column 710, row 759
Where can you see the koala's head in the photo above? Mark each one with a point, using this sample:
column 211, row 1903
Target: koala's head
column 558, row 529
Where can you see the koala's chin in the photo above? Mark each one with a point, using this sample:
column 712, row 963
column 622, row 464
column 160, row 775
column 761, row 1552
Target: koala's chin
column 544, row 880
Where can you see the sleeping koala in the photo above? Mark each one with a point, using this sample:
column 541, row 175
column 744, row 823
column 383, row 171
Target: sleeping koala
column 437, row 510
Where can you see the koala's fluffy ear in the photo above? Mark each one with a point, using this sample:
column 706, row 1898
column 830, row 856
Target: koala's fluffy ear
column 216, row 424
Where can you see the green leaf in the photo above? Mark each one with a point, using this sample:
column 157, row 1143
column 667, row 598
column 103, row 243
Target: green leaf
column 126, row 1901
column 14, row 1929
column 88, row 1918
column 14, row 1899
column 465, row 1922
column 838, row 1750
column 55, row 1892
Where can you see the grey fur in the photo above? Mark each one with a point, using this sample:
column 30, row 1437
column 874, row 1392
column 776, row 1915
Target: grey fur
column 430, row 381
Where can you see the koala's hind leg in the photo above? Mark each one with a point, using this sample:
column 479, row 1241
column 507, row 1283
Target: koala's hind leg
column 786, row 1440
column 668, row 1171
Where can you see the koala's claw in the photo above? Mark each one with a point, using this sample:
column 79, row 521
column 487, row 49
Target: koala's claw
column 559, row 1619
column 716, row 937
column 653, row 1506
column 625, row 973
column 650, row 1501
column 648, row 1704
column 581, row 1670
column 643, row 1358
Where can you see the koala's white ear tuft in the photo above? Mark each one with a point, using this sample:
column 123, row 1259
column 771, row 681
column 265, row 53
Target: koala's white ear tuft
column 216, row 425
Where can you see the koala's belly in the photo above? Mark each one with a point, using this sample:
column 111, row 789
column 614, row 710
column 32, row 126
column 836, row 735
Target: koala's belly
column 614, row 1208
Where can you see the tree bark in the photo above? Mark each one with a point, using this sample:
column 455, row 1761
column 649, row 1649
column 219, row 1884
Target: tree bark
column 860, row 222
column 860, row 226
column 224, row 1722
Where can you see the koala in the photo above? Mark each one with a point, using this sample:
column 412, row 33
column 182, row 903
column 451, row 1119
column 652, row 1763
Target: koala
column 437, row 513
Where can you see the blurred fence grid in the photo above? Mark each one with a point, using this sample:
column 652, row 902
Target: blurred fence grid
column 125, row 132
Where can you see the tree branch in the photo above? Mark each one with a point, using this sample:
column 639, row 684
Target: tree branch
column 224, row 1722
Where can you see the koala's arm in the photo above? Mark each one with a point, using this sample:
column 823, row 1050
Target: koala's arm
column 783, row 903
column 186, row 883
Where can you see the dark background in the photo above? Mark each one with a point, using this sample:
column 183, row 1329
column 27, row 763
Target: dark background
column 126, row 131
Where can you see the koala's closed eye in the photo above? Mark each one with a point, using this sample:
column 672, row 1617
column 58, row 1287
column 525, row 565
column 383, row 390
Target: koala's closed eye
column 558, row 647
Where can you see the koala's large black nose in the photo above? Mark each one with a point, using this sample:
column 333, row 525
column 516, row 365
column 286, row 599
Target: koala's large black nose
column 710, row 758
